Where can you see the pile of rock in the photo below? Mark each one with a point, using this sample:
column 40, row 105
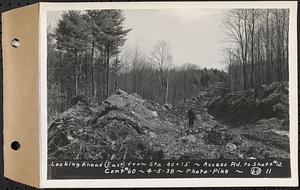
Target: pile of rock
column 119, row 128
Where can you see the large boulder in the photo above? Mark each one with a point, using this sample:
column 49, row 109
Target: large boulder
column 221, row 135
column 218, row 135
column 167, row 107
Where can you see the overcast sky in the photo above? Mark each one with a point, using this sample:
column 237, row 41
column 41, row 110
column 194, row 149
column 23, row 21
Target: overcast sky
column 195, row 36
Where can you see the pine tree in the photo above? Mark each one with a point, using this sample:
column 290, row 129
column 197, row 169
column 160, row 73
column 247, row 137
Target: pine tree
column 71, row 39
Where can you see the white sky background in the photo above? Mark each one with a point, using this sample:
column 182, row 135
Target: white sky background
column 195, row 36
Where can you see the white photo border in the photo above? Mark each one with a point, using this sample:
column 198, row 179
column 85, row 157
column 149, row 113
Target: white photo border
column 167, row 182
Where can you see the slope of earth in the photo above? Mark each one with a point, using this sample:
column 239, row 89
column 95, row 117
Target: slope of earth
column 269, row 101
column 125, row 126
column 260, row 116
column 262, row 139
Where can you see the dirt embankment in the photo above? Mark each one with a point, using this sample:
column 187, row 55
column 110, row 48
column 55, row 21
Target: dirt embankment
column 260, row 117
column 244, row 107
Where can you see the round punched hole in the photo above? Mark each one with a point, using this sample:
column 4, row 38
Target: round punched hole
column 15, row 43
column 15, row 145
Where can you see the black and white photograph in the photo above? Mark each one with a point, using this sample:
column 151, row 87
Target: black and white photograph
column 167, row 84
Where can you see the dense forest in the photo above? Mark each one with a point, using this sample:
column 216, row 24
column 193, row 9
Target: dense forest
column 86, row 56
column 257, row 51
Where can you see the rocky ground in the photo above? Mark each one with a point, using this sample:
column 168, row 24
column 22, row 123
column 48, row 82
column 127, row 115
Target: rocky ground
column 125, row 126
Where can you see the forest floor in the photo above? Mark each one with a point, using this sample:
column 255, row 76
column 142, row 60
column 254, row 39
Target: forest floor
column 125, row 126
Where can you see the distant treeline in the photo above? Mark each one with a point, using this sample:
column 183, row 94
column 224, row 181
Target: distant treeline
column 257, row 50
column 85, row 58
column 179, row 83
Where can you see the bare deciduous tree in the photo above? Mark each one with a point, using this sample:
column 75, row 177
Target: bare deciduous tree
column 259, row 40
column 162, row 59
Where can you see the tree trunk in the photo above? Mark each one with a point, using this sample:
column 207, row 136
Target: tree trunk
column 258, row 58
column 86, row 81
column 107, row 70
column 278, row 56
column 92, row 69
column 80, row 71
column 125, row 80
column 174, row 94
column 62, row 94
column 103, row 96
column 75, row 71
column 161, row 83
column 116, row 73
column 245, row 52
column 167, row 87
column 272, row 72
column 268, row 64
column 252, row 47
column 287, row 54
